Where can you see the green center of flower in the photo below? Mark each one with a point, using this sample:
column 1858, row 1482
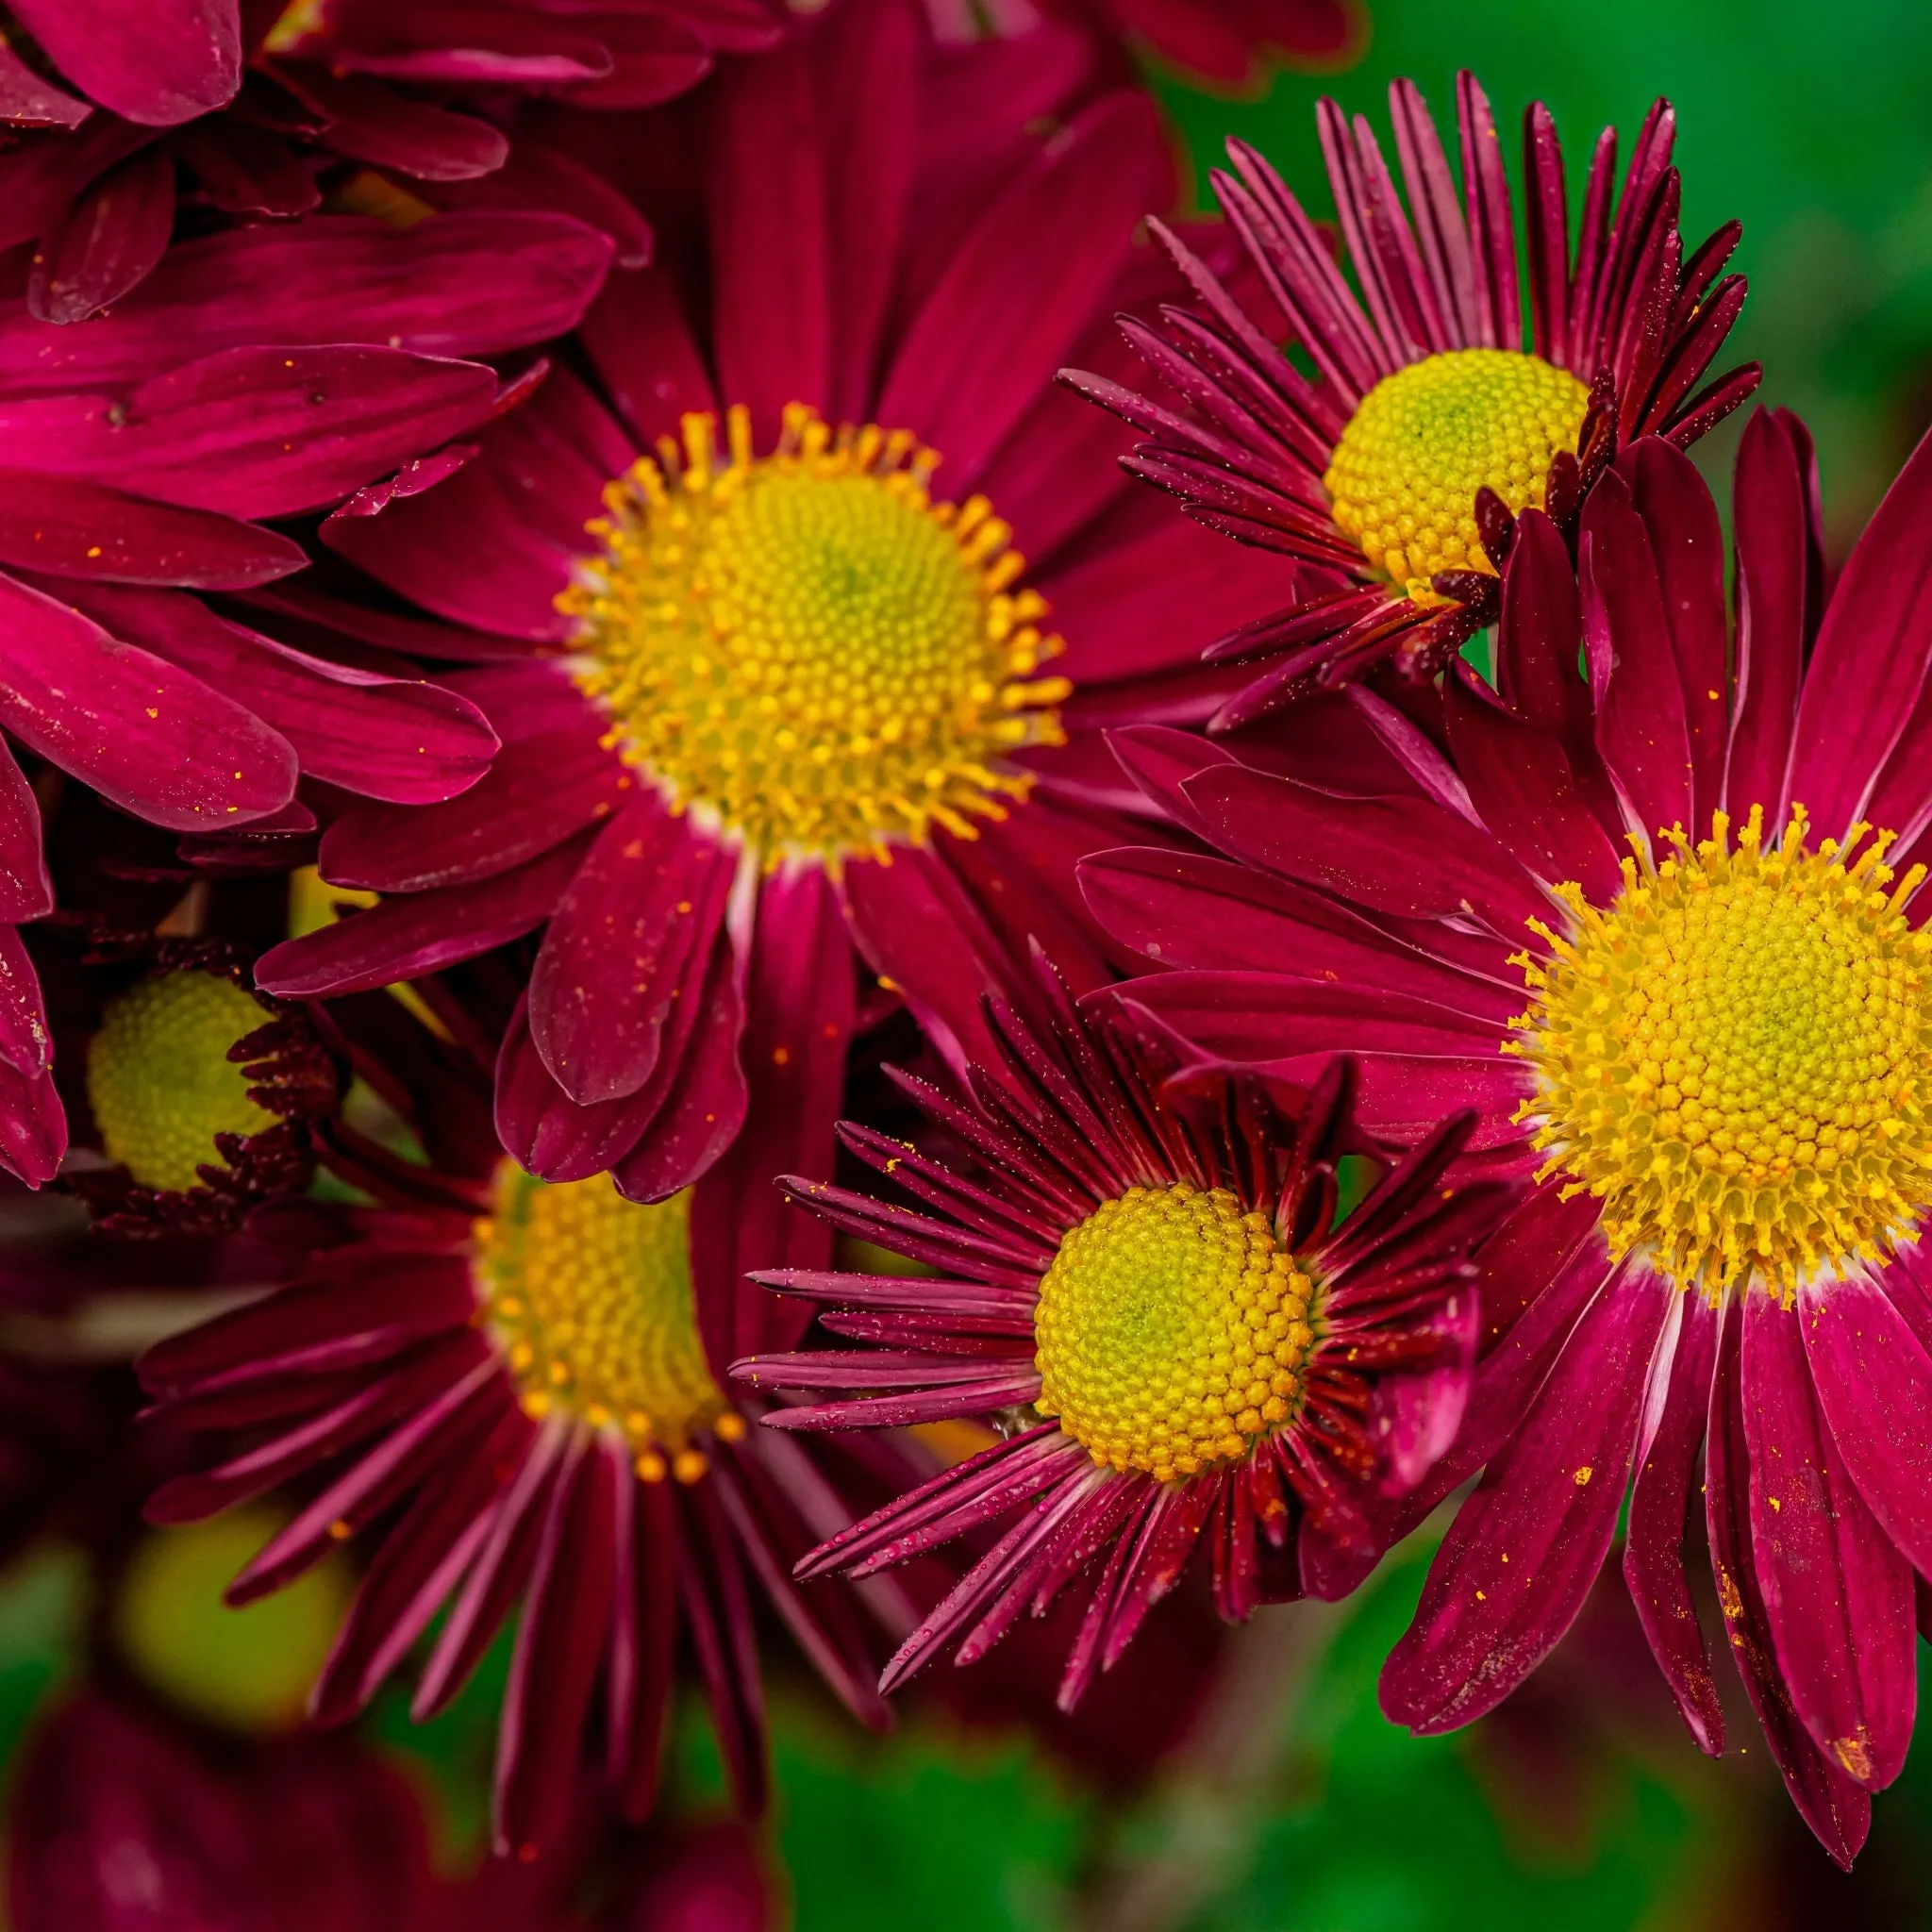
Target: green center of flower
column 1171, row 1330
column 590, row 1298
column 161, row 1082
column 804, row 647
column 1734, row 1057
column 1404, row 474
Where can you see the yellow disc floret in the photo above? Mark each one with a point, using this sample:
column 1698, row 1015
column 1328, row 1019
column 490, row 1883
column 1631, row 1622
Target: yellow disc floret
column 159, row 1079
column 804, row 648
column 1171, row 1330
column 589, row 1296
column 1733, row 1056
column 1405, row 471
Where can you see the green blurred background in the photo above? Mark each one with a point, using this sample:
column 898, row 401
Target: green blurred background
column 1286, row 1803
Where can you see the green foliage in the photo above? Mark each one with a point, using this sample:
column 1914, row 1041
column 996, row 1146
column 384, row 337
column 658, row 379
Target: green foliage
column 1376, row 1831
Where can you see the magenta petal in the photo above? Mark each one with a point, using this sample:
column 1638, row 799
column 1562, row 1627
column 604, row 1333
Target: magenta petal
column 1640, row 726
column 1524, row 1550
column 626, row 943
column 537, row 791
column 157, row 64
column 107, row 240
column 1391, row 854
column 156, row 741
column 68, row 527
column 1874, row 1384
column 1778, row 572
column 560, row 1648
column 1023, row 285
column 1675, row 1407
column 33, row 1125
column 27, row 891
column 1867, row 667
column 398, row 739
column 458, row 284
column 26, row 1044
column 26, row 100
column 256, row 432
column 1837, row 1810
column 1838, row 1594
column 772, row 271
column 405, row 937
column 370, row 122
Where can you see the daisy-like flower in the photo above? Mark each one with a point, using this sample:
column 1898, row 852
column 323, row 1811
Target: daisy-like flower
column 1144, row 1277
column 517, row 1391
column 782, row 698
column 1704, row 860
column 1387, row 453
column 262, row 117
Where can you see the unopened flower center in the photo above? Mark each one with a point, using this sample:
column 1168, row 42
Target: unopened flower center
column 804, row 647
column 1406, row 472
column 589, row 1296
column 1172, row 1331
column 161, row 1082
column 1734, row 1057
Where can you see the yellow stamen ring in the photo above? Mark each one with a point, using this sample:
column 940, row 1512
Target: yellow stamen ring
column 805, row 650
column 1732, row 1056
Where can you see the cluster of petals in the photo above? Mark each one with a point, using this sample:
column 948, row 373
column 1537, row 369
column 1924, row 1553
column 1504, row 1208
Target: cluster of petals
column 691, row 996
column 1626, row 310
column 1382, row 916
column 330, row 341
column 1076, row 1115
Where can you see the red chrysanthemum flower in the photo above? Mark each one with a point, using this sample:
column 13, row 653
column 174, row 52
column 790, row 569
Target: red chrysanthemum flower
column 263, row 116
column 1146, row 1278
column 517, row 1390
column 1387, row 453
column 1720, row 1075
column 1228, row 43
column 779, row 700
column 146, row 454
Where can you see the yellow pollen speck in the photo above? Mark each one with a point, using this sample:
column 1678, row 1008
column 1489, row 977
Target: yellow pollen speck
column 1172, row 1331
column 1405, row 471
column 159, row 1080
column 1581, row 1479
column 1732, row 1056
column 805, row 649
column 589, row 1297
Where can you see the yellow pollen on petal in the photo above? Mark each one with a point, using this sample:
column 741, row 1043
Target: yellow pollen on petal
column 1172, row 1331
column 1404, row 479
column 159, row 1081
column 588, row 1299
column 1733, row 1056
column 804, row 648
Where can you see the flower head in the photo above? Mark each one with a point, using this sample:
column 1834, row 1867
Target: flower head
column 823, row 616
column 1146, row 1279
column 1389, row 464
column 514, row 1389
column 1710, row 1051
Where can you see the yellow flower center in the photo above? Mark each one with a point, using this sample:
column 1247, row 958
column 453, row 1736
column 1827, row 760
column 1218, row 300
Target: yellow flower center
column 1732, row 1056
column 589, row 1296
column 159, row 1079
column 1171, row 1330
column 807, row 650
column 1406, row 472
